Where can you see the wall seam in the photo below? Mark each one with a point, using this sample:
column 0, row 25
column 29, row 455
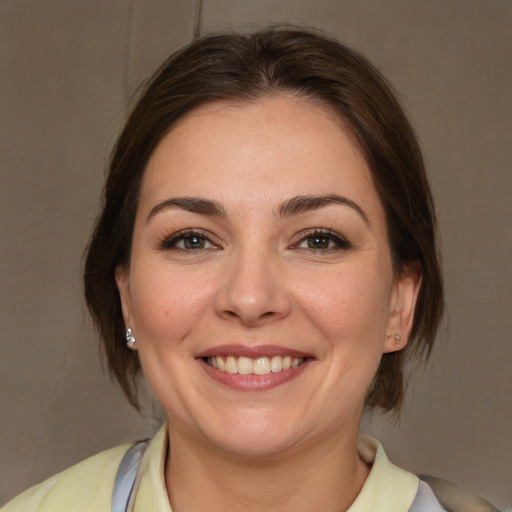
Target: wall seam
column 198, row 19
column 128, row 55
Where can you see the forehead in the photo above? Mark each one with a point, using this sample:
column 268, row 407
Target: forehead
column 274, row 146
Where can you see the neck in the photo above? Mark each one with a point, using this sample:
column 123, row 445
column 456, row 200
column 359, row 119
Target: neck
column 326, row 475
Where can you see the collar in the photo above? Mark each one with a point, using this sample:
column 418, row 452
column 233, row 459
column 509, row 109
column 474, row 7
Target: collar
column 387, row 488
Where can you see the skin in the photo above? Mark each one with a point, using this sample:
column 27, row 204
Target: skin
column 258, row 277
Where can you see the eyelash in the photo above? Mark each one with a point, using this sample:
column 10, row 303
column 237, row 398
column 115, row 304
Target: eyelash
column 340, row 243
column 171, row 242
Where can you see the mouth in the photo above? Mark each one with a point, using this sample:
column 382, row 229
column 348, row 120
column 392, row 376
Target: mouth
column 253, row 366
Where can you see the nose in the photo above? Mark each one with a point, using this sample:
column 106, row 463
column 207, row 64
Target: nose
column 253, row 291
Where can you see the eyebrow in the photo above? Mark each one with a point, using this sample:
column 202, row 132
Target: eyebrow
column 291, row 207
column 302, row 204
column 190, row 204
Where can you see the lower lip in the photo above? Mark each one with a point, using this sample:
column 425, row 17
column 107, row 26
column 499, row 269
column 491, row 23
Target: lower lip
column 254, row 382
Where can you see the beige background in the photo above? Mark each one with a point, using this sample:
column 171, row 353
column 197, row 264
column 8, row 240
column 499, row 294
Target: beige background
column 68, row 69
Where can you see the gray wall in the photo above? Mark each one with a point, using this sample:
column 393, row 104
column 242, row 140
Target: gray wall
column 68, row 71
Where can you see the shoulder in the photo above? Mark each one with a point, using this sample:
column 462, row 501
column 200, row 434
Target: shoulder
column 398, row 490
column 83, row 487
column 456, row 498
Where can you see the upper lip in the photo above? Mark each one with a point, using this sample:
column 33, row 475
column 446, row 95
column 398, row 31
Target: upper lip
column 252, row 351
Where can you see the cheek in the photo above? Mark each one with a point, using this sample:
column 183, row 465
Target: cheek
column 166, row 306
column 352, row 302
column 349, row 308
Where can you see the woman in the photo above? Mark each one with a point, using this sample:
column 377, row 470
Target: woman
column 266, row 255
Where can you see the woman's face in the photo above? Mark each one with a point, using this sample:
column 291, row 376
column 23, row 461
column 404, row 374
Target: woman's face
column 260, row 287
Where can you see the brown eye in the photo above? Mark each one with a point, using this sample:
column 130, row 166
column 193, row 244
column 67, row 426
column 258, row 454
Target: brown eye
column 324, row 240
column 194, row 242
column 318, row 242
column 188, row 241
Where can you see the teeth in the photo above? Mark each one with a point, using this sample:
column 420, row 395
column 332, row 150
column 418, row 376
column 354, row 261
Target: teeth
column 259, row 366
column 231, row 365
column 245, row 365
column 276, row 364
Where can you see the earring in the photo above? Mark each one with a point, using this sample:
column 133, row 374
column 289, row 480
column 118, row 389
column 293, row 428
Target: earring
column 130, row 340
column 396, row 337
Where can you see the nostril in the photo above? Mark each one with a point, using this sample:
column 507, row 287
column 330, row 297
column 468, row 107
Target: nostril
column 234, row 314
column 249, row 318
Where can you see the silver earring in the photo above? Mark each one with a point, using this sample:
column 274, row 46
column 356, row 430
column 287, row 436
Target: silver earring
column 130, row 340
column 397, row 338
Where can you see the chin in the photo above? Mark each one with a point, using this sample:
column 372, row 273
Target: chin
column 249, row 445
column 253, row 436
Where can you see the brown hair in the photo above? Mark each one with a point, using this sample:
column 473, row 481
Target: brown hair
column 242, row 67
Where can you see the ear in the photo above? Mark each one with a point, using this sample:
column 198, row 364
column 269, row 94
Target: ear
column 402, row 305
column 123, row 286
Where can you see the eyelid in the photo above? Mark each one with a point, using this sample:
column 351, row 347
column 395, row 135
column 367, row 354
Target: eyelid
column 169, row 241
column 342, row 242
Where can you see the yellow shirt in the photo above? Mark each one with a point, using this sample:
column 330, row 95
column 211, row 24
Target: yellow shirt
column 87, row 487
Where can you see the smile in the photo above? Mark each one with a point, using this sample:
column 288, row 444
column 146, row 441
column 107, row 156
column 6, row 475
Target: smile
column 253, row 366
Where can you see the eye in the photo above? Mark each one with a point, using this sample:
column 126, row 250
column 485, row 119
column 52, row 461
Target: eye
column 192, row 242
column 323, row 241
column 188, row 240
